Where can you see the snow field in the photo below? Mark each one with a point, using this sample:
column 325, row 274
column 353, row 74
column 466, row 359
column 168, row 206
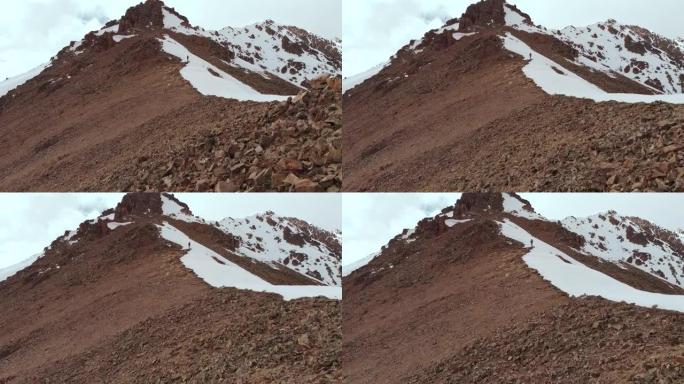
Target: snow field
column 576, row 279
column 197, row 72
column 203, row 262
column 554, row 79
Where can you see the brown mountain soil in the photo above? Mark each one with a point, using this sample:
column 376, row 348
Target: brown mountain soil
column 119, row 306
column 462, row 116
column 587, row 340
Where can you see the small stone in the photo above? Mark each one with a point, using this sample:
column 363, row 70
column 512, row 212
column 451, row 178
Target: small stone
column 203, row 185
column 306, row 185
column 226, row 187
column 303, row 340
column 673, row 148
column 665, row 124
column 291, row 179
column 290, row 165
column 334, row 157
column 233, row 149
column 237, row 167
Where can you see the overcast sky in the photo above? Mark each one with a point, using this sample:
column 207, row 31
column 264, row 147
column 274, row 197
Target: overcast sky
column 30, row 222
column 373, row 30
column 35, row 30
column 370, row 220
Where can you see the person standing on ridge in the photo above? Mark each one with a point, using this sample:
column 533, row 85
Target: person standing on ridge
column 531, row 243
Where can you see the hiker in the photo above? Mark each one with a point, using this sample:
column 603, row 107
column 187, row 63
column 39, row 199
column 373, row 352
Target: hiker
column 187, row 59
column 531, row 243
column 188, row 244
column 530, row 55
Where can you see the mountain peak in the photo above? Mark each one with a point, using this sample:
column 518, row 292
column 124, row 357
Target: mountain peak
column 492, row 13
column 145, row 204
column 477, row 203
column 150, row 14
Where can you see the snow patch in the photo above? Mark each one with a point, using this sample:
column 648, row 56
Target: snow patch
column 112, row 29
column 174, row 210
column 120, row 38
column 171, row 21
column 348, row 269
column 7, row 272
column 114, row 226
column 516, row 208
column 451, row 222
column 352, row 81
column 408, row 234
column 13, row 82
column 459, row 35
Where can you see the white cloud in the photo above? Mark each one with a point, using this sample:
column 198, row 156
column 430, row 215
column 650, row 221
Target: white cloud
column 35, row 30
column 373, row 30
column 29, row 222
column 370, row 220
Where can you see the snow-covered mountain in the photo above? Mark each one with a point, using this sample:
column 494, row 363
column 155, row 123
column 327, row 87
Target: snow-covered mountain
column 633, row 241
column 265, row 253
column 288, row 52
column 637, row 53
column 289, row 242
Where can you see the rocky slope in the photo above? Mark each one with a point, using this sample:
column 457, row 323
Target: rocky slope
column 173, row 82
column 149, row 292
column 491, row 87
column 490, row 291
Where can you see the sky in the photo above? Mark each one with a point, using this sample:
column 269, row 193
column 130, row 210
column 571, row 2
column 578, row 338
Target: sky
column 33, row 31
column 373, row 30
column 371, row 220
column 29, row 222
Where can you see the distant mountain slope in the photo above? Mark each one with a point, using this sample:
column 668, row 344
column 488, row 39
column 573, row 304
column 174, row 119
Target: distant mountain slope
column 148, row 270
column 291, row 243
column 491, row 88
column 489, row 276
